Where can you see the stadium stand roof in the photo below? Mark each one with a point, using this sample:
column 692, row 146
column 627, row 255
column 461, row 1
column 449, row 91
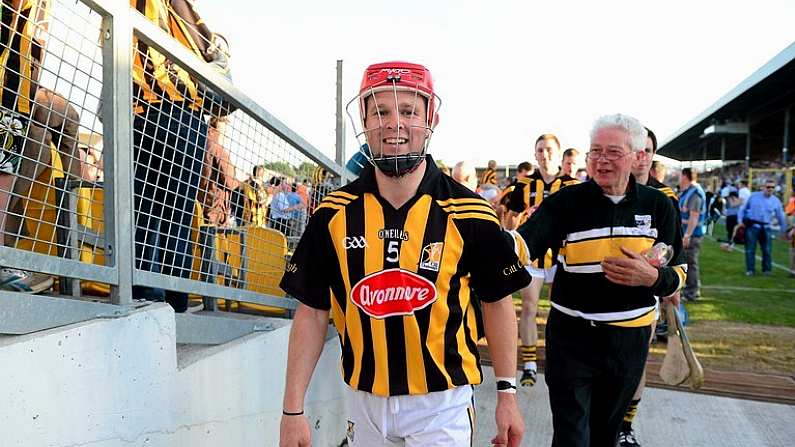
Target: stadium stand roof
column 762, row 103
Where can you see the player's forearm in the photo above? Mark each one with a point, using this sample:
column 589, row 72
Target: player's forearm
column 499, row 320
column 307, row 337
column 692, row 222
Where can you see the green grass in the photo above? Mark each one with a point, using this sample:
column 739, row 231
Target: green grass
column 780, row 248
column 774, row 302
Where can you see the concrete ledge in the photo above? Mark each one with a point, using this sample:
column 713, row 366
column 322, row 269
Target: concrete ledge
column 121, row 381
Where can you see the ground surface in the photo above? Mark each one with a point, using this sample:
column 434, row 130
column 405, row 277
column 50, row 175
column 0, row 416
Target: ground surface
column 665, row 418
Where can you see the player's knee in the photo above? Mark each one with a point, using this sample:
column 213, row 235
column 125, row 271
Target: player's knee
column 533, row 297
column 530, row 306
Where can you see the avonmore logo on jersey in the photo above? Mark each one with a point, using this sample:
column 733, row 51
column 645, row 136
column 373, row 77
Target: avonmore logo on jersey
column 393, row 292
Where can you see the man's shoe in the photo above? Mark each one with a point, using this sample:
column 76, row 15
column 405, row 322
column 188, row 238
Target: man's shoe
column 148, row 293
column 23, row 281
column 626, row 438
column 750, row 273
column 529, row 377
column 692, row 296
column 177, row 300
column 767, row 273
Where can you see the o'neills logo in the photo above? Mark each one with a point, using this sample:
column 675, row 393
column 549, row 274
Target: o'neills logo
column 393, row 292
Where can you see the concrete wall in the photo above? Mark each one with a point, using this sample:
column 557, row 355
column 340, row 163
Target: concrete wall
column 122, row 382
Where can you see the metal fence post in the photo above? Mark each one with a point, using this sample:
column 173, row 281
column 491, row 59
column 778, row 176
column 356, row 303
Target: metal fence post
column 117, row 118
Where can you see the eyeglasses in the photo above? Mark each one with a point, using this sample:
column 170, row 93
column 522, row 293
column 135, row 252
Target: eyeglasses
column 770, row 187
column 609, row 155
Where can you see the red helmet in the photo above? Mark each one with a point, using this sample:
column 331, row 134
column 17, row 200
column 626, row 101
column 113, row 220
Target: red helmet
column 400, row 75
column 394, row 77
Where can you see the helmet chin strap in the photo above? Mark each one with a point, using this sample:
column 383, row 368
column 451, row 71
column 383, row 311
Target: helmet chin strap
column 399, row 166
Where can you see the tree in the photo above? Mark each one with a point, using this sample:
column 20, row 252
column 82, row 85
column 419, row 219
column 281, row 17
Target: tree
column 281, row 167
column 306, row 170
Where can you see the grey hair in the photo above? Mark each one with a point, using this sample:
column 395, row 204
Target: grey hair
column 634, row 129
column 464, row 173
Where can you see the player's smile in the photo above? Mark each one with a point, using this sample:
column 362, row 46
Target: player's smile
column 396, row 121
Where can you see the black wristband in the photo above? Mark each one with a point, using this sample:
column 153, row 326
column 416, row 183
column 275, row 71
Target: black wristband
column 287, row 413
column 504, row 385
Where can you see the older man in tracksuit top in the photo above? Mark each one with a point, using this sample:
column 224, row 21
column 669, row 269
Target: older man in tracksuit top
column 597, row 335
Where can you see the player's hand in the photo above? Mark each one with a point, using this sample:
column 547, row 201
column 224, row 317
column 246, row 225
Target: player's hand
column 685, row 241
column 674, row 299
column 294, row 432
column 633, row 270
column 510, row 425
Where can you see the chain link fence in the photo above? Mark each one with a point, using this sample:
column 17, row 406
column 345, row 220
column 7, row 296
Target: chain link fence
column 173, row 185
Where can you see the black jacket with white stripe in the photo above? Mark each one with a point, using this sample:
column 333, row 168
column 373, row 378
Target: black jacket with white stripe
column 588, row 227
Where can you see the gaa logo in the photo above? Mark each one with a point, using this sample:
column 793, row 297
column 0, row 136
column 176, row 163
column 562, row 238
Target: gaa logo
column 432, row 256
column 393, row 292
column 354, row 242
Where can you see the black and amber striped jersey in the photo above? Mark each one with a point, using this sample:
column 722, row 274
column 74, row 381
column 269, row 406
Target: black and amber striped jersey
column 20, row 52
column 665, row 189
column 591, row 227
column 400, row 283
column 519, row 246
column 532, row 190
column 505, row 194
column 669, row 192
column 154, row 77
column 528, row 193
column 319, row 176
column 489, row 177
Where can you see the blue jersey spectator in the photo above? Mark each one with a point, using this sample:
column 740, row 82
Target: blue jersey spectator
column 757, row 218
column 280, row 207
column 693, row 211
column 296, row 204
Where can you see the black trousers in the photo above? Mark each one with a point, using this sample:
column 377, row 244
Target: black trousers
column 592, row 372
column 731, row 222
column 169, row 145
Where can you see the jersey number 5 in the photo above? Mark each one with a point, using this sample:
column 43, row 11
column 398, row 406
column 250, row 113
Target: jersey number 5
column 393, row 254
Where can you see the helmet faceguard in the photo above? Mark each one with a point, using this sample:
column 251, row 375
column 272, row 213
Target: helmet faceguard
column 387, row 132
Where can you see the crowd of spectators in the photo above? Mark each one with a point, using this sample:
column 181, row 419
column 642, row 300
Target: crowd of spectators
column 182, row 153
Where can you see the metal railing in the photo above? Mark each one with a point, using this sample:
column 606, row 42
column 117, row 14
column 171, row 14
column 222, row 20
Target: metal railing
column 132, row 179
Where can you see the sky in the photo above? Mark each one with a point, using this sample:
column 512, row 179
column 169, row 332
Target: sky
column 507, row 71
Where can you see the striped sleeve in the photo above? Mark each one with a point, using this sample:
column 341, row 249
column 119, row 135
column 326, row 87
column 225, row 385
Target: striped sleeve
column 469, row 208
column 307, row 274
column 496, row 270
column 517, row 202
column 672, row 277
column 544, row 228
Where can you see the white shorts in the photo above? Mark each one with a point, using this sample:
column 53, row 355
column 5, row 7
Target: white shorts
column 442, row 418
column 548, row 275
